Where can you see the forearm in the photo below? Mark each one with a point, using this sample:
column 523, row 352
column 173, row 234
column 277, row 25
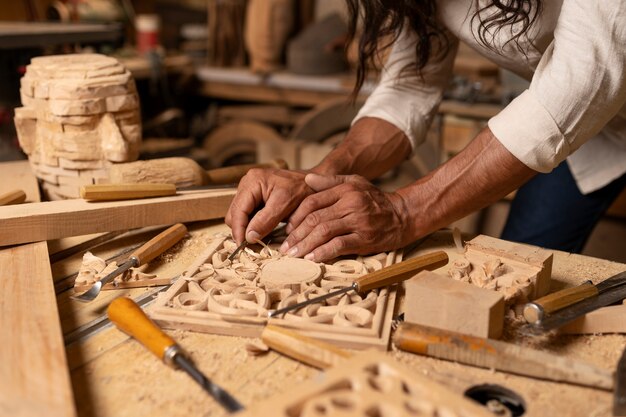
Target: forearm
column 480, row 175
column 371, row 148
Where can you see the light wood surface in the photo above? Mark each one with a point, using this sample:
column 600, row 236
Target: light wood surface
column 34, row 379
column 56, row 219
column 610, row 319
column 108, row 363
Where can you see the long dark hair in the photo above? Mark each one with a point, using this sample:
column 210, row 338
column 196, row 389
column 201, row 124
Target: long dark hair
column 384, row 19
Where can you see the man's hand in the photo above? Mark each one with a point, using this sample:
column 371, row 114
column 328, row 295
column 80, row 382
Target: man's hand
column 278, row 191
column 347, row 214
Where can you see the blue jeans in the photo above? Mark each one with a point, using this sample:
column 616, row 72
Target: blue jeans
column 551, row 212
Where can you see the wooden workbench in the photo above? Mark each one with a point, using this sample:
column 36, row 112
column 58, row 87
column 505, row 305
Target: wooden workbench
column 115, row 376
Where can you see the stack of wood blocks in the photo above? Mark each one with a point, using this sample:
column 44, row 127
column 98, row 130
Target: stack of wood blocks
column 80, row 114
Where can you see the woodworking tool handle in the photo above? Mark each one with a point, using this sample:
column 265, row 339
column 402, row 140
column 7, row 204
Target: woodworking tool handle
column 389, row 275
column 401, row 271
column 535, row 311
column 130, row 318
column 109, row 192
column 310, row 351
column 232, row 174
column 159, row 244
column 430, row 341
column 12, row 197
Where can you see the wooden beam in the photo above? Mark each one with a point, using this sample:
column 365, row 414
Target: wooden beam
column 34, row 378
column 56, row 219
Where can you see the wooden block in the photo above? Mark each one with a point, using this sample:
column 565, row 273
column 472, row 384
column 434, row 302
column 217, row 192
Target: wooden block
column 536, row 262
column 102, row 87
column 80, row 107
column 610, row 319
column 437, row 301
column 53, row 220
column 122, row 103
column 368, row 384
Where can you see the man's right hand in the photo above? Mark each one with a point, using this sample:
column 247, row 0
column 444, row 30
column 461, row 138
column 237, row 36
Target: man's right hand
column 278, row 191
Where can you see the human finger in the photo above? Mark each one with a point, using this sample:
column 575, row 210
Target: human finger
column 277, row 207
column 321, row 234
column 310, row 204
column 338, row 246
column 246, row 200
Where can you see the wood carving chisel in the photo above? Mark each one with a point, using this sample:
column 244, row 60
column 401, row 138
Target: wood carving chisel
column 535, row 311
column 12, row 197
column 130, row 318
column 144, row 254
column 545, row 312
column 498, row 355
column 387, row 276
column 619, row 398
column 219, row 178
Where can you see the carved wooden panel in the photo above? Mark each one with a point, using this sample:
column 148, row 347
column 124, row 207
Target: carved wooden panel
column 369, row 384
column 233, row 298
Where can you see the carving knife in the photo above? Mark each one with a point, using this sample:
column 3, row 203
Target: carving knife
column 130, row 318
column 387, row 276
column 538, row 311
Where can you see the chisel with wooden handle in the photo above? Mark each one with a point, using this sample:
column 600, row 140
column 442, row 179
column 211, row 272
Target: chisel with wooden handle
column 219, row 178
column 387, row 276
column 130, row 318
column 144, row 254
column 535, row 312
column 305, row 349
column 501, row 356
column 12, row 197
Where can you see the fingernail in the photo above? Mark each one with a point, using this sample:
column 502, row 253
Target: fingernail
column 310, row 257
column 292, row 252
column 253, row 236
column 283, row 248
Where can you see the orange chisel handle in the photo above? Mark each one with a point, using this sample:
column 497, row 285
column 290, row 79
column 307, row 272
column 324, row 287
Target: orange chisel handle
column 130, row 318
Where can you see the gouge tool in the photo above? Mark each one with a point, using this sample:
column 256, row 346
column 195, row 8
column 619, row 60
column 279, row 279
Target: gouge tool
column 378, row 279
column 144, row 254
column 130, row 318
column 558, row 308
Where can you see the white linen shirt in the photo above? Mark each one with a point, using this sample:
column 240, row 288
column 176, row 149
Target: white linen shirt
column 575, row 105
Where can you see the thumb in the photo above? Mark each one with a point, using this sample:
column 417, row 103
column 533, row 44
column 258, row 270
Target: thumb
column 323, row 182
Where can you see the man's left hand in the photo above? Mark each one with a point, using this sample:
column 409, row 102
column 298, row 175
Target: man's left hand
column 347, row 215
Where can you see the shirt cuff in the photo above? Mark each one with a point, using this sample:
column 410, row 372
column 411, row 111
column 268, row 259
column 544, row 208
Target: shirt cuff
column 408, row 118
column 527, row 130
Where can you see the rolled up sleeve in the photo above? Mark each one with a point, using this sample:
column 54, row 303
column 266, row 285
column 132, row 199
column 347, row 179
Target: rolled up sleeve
column 578, row 87
column 404, row 98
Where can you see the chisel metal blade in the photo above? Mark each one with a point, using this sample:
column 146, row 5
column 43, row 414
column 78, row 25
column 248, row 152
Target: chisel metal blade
column 220, row 395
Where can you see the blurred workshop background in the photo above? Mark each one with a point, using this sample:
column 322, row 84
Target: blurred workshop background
column 238, row 81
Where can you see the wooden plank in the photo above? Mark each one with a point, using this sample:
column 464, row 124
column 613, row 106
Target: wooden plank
column 57, row 219
column 610, row 319
column 34, row 378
